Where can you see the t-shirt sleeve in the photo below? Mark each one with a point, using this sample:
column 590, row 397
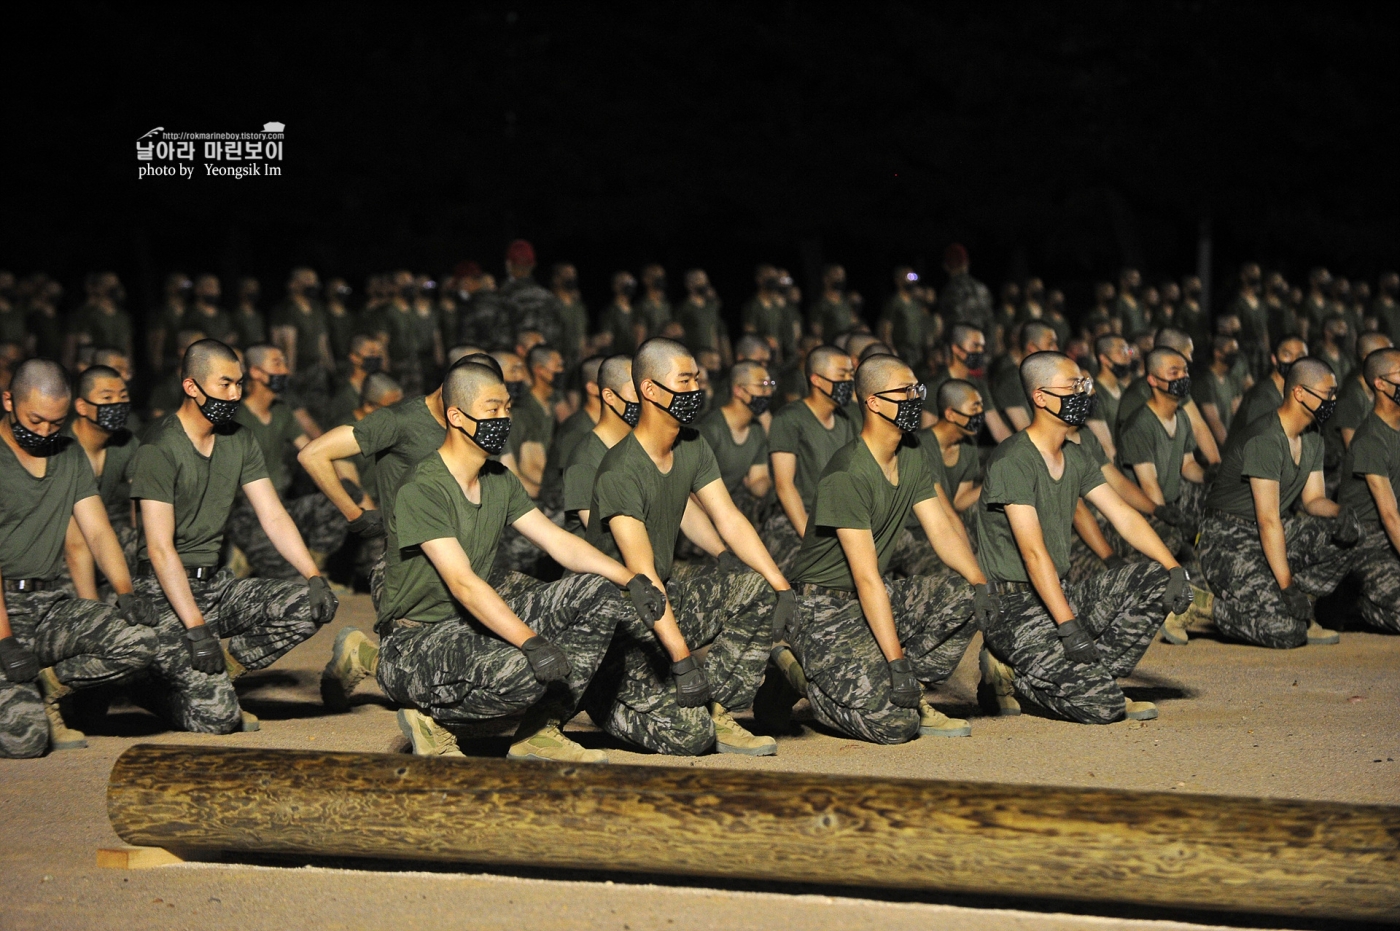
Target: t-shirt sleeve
column 924, row 478
column 578, row 486
column 422, row 513
column 1092, row 476
column 254, row 466
column 84, row 484
column 782, row 435
column 760, row 455
column 1260, row 459
column 707, row 469
column 153, row 475
column 1009, row 481
column 519, row 503
column 377, row 431
column 618, row 493
column 1368, row 455
column 843, row 500
column 1007, row 391
column 1136, row 444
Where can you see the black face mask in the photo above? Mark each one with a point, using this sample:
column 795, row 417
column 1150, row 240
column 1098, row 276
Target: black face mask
column 908, row 416
column 631, row 412
column 685, row 405
column 1178, row 388
column 627, row 289
column 310, row 291
column 975, row 361
column 1325, row 408
column 371, row 364
column 278, row 383
column 658, row 284
column 1283, row 368
column 839, row 285
column 491, row 432
column 568, row 284
column 1074, row 408
column 517, row 390
column 1395, row 395
column 1121, row 370
column 975, row 423
column 759, row 404
column 1230, row 358
column 36, row 444
column 841, row 391
column 216, row 410
column 110, row 417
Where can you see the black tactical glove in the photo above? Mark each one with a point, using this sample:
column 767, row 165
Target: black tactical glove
column 1296, row 603
column 205, row 655
column 137, row 609
column 1079, row 646
column 730, row 563
column 368, row 525
column 649, row 600
column 547, row 661
column 1170, row 514
column 19, row 663
column 1346, row 528
column 1114, row 561
column 905, row 690
column 984, row 605
column 784, row 613
column 1178, row 595
column 323, row 600
column 692, row 690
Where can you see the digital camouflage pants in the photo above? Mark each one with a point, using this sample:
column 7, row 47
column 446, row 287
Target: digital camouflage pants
column 781, row 539
column 320, row 523
column 515, row 552
column 1120, row 608
column 86, row 642
column 1375, row 564
column 848, row 680
column 262, row 620
column 633, row 697
column 1180, row 540
column 1248, row 602
column 458, row 671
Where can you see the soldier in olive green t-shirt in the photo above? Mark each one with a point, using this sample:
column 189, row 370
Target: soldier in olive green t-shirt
column 1263, row 561
column 737, row 439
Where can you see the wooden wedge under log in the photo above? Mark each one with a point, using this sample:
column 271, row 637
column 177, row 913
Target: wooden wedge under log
column 1185, row 851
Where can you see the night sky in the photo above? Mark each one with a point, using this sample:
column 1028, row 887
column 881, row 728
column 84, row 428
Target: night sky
column 1062, row 140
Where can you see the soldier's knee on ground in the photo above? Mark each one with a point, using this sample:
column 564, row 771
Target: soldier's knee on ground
column 897, row 726
column 24, row 729
column 688, row 738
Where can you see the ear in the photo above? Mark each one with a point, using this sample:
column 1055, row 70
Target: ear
column 9, row 402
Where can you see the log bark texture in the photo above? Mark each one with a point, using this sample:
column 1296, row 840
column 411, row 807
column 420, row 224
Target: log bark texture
column 1186, row 851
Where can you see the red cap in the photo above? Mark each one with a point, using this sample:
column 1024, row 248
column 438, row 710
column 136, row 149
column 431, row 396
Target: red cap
column 520, row 252
column 955, row 256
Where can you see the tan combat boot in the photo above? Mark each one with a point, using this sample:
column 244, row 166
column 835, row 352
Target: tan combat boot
column 1319, row 635
column 934, row 723
column 234, row 667
column 428, row 737
column 995, row 693
column 541, row 737
column 352, row 659
column 783, row 686
column 1174, row 629
column 731, row 738
column 61, row 736
column 1139, row 710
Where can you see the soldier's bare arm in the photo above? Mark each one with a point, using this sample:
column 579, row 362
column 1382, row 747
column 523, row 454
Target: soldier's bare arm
column 633, row 543
column 1315, row 500
column 1266, row 515
column 571, row 552
column 859, row 547
column 79, row 559
column 1090, row 532
column 279, row 527
column 950, row 545
column 997, row 427
column 472, row 592
column 158, row 519
column 1146, row 475
column 1191, row 470
column 1040, row 568
column 1383, row 493
column 1105, row 437
column 1129, row 492
column 531, row 467
column 758, row 481
column 955, row 524
column 1212, row 417
column 968, row 493
column 318, row 459
column 102, row 542
column 1132, row 526
column 698, row 529
column 1205, row 439
column 736, row 531
column 784, row 467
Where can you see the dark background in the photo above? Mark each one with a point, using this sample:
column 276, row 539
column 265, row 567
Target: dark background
column 1062, row 140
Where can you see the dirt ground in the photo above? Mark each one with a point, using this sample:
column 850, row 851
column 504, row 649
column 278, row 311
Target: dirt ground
column 1316, row 723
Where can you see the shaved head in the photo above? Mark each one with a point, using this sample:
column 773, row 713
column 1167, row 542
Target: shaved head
column 1172, row 338
column 956, row 393
column 1041, row 368
column 201, row 356
column 820, row 359
column 876, row 373
column 744, row 372
column 588, row 370
column 860, row 342
column 464, row 382
column 654, row 360
column 1368, row 343
column 1307, row 372
column 42, row 376
column 962, row 333
column 615, row 373
column 377, row 387
column 259, row 353
column 1034, row 335
column 483, row 358
column 1159, row 359
column 1381, row 363
column 92, row 375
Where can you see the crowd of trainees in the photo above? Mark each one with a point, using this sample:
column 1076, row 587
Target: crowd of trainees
column 536, row 554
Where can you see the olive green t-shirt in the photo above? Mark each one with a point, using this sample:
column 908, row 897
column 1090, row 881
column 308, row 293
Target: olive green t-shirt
column 853, row 493
column 937, row 381
column 1375, row 450
column 398, row 437
column 734, row 459
column 1107, row 409
column 168, row 468
column 1144, row 439
column 1260, row 450
column 578, row 480
column 34, row 512
column 630, row 484
column 1134, row 397
column 529, row 423
column 701, row 323
column 1017, row 474
column 1263, row 398
column 365, row 466
column 432, row 506
column 276, row 438
column 1089, row 442
column 310, row 327
column 1353, row 406
column 567, row 436
column 1006, row 388
column 111, row 331
column 114, row 484
column 622, row 325
column 1222, row 392
column 795, row 429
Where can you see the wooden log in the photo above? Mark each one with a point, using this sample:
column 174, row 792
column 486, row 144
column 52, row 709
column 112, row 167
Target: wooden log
column 1185, row 851
column 136, row 858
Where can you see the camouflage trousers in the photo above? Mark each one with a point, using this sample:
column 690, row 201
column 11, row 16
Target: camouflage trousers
column 1120, row 608
column 515, row 553
column 1375, row 564
column 914, row 556
column 781, row 539
column 262, row 620
column 1248, row 603
column 848, row 680
column 1180, row 540
column 633, row 697
column 757, row 510
column 318, row 521
column 86, row 642
column 130, row 539
column 458, row 671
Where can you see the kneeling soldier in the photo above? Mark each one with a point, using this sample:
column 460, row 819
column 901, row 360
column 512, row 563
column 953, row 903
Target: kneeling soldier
column 1061, row 647
column 64, row 643
column 864, row 642
column 1370, row 475
column 454, row 650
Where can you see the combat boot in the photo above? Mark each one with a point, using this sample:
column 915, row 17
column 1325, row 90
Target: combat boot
column 1319, row 635
column 352, row 659
column 238, row 564
column 541, row 737
column 1139, row 710
column 731, row 738
column 995, row 693
column 1174, row 629
column 783, row 686
column 934, row 723
column 234, row 667
column 61, row 736
column 428, row 737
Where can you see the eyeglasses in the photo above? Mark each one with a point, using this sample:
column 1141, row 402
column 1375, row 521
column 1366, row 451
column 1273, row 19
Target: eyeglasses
column 1329, row 396
column 766, row 383
column 917, row 391
column 1078, row 386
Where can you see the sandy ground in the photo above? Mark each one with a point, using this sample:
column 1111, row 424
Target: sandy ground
column 1316, row 723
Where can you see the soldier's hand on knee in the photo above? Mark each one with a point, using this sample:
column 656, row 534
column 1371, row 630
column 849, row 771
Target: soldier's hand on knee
column 547, row 661
column 1296, row 603
column 730, row 563
column 1114, row 561
column 323, row 600
column 984, row 605
column 1346, row 528
column 18, row 661
column 692, row 688
column 369, row 524
column 1178, row 595
column 905, row 690
column 205, row 654
column 1079, row 646
column 1170, row 514
column 784, row 613
column 137, row 609
column 649, row 600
